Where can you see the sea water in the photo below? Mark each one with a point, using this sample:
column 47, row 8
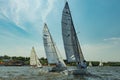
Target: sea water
column 28, row 73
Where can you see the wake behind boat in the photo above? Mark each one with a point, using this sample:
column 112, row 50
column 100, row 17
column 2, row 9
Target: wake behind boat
column 34, row 61
column 52, row 52
column 71, row 43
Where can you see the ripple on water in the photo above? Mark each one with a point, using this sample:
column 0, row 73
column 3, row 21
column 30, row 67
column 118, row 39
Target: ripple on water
column 27, row 73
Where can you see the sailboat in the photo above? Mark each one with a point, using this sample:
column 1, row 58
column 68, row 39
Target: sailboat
column 90, row 64
column 100, row 64
column 52, row 52
column 71, row 43
column 34, row 61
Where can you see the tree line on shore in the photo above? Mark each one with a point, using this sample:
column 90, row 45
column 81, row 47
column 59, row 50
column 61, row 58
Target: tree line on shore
column 26, row 61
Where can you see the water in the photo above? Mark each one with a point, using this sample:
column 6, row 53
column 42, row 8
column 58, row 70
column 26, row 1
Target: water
column 27, row 73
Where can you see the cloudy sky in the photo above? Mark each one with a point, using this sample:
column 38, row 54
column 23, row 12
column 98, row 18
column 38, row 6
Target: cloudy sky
column 96, row 21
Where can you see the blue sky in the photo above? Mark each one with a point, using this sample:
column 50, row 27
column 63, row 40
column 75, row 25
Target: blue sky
column 96, row 21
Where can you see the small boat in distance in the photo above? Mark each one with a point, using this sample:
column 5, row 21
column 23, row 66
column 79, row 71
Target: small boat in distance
column 52, row 53
column 71, row 43
column 34, row 61
column 101, row 63
column 90, row 64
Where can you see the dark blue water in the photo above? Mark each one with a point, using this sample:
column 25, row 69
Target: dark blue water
column 28, row 73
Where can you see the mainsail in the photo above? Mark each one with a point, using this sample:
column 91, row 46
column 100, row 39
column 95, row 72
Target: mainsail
column 71, row 43
column 34, row 61
column 51, row 50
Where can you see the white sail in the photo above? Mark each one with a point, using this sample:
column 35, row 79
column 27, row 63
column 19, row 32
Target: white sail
column 34, row 61
column 71, row 43
column 51, row 49
column 90, row 64
column 100, row 64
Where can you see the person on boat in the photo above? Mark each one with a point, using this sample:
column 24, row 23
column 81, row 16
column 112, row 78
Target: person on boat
column 58, row 64
column 82, row 64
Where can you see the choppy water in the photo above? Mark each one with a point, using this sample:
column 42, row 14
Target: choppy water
column 27, row 73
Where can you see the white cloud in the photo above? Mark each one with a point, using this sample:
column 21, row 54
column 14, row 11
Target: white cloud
column 22, row 49
column 105, row 51
column 28, row 15
column 31, row 11
column 113, row 40
column 25, row 11
column 46, row 11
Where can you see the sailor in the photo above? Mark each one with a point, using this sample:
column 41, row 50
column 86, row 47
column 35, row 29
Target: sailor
column 83, row 64
column 58, row 64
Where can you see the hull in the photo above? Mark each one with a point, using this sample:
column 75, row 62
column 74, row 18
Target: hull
column 36, row 67
column 78, row 72
column 57, row 69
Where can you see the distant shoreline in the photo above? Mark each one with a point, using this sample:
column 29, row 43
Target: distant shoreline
column 24, row 61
